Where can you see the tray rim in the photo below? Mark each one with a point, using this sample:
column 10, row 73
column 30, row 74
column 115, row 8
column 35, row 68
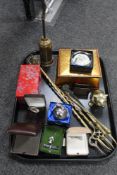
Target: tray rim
column 70, row 159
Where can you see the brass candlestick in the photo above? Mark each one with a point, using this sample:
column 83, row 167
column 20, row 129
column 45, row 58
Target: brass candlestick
column 45, row 44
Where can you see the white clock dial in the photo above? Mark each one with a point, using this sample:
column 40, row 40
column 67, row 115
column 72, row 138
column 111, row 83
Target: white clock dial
column 81, row 59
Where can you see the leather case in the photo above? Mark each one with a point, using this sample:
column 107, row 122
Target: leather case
column 30, row 122
column 26, row 145
column 24, row 129
column 52, row 140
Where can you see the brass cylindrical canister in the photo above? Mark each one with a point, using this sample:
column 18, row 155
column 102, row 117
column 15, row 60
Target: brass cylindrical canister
column 45, row 46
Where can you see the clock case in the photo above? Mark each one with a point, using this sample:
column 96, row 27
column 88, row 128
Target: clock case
column 106, row 117
column 79, row 68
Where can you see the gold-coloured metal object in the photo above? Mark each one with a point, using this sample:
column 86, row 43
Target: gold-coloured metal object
column 104, row 139
column 98, row 98
column 45, row 46
column 65, row 76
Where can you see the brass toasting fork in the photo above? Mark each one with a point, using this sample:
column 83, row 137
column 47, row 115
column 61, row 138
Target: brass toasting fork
column 97, row 128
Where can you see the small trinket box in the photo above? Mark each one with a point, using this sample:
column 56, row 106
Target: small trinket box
column 59, row 113
column 76, row 141
column 64, row 76
column 28, row 80
column 52, row 140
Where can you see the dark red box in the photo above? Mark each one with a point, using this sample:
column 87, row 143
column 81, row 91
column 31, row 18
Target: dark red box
column 28, row 80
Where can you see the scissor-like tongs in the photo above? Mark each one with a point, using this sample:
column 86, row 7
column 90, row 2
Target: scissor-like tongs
column 98, row 138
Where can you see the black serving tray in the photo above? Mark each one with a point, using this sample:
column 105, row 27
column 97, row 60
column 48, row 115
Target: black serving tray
column 105, row 116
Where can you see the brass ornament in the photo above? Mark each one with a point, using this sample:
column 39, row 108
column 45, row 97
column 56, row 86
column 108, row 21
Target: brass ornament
column 98, row 98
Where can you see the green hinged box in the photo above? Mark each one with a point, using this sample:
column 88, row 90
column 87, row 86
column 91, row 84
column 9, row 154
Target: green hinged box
column 52, row 140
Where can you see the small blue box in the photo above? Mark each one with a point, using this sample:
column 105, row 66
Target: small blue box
column 63, row 121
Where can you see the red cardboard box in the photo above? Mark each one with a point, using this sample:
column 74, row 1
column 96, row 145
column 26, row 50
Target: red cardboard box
column 28, row 80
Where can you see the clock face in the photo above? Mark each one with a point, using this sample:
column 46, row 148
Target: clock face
column 81, row 59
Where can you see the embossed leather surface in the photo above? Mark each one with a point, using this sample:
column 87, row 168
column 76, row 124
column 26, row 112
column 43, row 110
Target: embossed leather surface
column 24, row 129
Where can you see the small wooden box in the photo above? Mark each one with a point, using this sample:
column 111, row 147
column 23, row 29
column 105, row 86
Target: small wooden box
column 65, row 76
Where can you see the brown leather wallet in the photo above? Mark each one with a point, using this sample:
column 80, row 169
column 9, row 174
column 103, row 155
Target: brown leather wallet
column 30, row 129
